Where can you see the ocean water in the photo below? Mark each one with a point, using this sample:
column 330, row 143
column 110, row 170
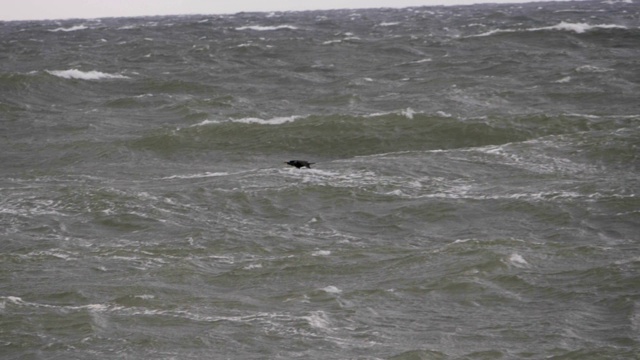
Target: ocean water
column 475, row 192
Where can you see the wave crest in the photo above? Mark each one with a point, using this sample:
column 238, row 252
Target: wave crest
column 84, row 75
column 73, row 28
column 578, row 28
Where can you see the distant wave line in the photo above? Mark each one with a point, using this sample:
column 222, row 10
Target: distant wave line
column 73, row 28
column 84, row 75
column 408, row 113
column 578, row 28
column 196, row 176
column 266, row 28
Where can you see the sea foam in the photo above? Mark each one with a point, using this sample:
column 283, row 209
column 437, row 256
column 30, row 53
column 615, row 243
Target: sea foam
column 251, row 120
column 85, row 75
column 73, row 28
column 578, row 28
column 267, row 28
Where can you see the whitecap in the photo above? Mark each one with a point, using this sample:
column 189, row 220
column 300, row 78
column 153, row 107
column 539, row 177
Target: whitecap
column 378, row 114
column 396, row 192
column 73, row 28
column 316, row 174
column 564, row 80
column 408, row 113
column 253, row 266
column 331, row 290
column 251, row 120
column 206, row 122
column 19, row 301
column 84, row 75
column 578, row 28
column 267, row 28
column 196, row 176
column 318, row 319
column 321, row 253
column 591, row 69
column 13, row 299
column 517, row 260
column 273, row 121
column 492, row 32
column 144, row 297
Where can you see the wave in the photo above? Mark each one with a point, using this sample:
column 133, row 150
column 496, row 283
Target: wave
column 578, row 28
column 280, row 120
column 73, row 28
column 85, row 75
column 267, row 28
column 347, row 135
column 196, row 176
column 591, row 69
column 252, row 120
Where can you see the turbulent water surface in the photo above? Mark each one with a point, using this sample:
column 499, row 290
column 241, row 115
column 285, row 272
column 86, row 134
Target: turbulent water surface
column 475, row 192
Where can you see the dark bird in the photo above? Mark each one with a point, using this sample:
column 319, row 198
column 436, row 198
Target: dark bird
column 299, row 163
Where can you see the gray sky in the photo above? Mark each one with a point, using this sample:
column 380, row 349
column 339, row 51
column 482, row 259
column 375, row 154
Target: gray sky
column 65, row 9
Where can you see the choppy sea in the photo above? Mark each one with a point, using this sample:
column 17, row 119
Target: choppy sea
column 475, row 192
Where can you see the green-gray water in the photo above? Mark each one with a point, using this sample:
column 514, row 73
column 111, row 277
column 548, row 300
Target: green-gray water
column 475, row 193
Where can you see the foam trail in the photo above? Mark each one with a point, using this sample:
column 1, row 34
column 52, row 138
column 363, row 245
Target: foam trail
column 267, row 28
column 196, row 176
column 84, row 75
column 250, row 120
column 73, row 28
column 517, row 260
column 578, row 28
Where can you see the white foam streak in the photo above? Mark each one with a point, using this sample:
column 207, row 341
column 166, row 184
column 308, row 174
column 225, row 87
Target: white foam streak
column 321, row 253
column 196, row 176
column 19, row 301
column 578, row 28
column 274, row 121
column 84, row 75
column 409, row 113
column 492, row 32
column 267, row 28
column 251, row 120
column 564, row 80
column 591, row 69
column 332, row 290
column 318, row 320
column 517, row 260
column 73, row 28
